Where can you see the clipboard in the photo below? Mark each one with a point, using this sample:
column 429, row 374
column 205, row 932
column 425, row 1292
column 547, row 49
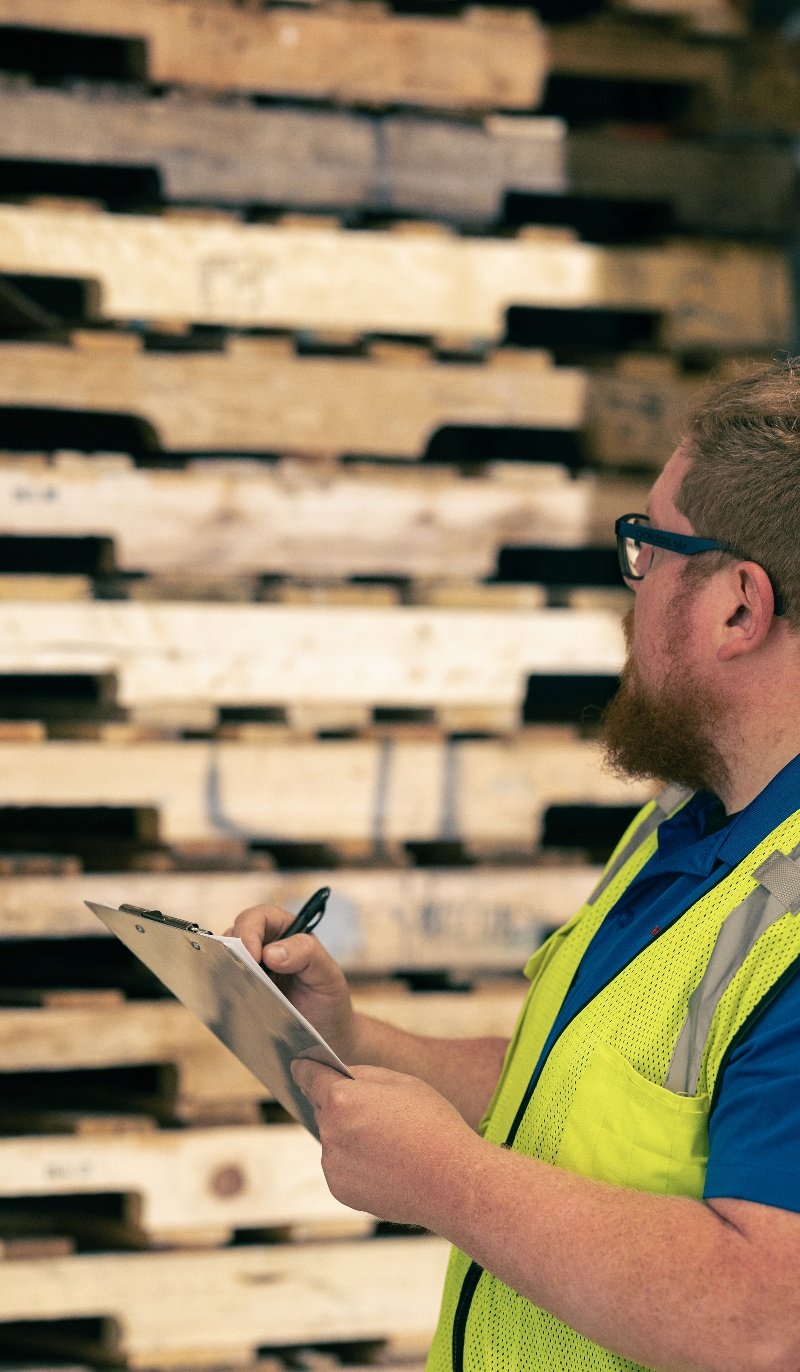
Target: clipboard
column 216, row 978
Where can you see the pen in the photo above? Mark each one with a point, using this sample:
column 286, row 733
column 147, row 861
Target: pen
column 309, row 917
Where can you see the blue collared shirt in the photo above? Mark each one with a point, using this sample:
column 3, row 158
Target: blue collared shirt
column 754, row 1129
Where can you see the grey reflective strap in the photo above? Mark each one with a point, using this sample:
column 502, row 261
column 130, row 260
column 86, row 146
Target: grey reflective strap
column 777, row 894
column 665, row 802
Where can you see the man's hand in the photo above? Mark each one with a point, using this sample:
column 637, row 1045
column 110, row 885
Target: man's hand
column 303, row 970
column 391, row 1144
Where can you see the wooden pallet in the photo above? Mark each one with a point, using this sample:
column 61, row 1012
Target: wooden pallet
column 490, row 795
column 715, row 297
column 487, row 59
column 210, row 1309
column 205, row 1081
column 183, row 1187
column 341, row 522
column 328, row 657
column 207, row 151
column 258, row 396
column 380, row 921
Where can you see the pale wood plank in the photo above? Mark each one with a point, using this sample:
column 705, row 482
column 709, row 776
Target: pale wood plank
column 484, row 792
column 255, row 398
column 141, row 1033
column 234, row 654
column 714, row 296
column 296, row 520
column 488, row 60
column 377, row 921
column 204, row 1308
column 184, row 1181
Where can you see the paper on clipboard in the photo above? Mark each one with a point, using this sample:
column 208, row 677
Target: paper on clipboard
column 217, row 979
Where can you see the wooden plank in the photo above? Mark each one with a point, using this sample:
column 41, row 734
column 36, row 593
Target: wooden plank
column 484, row 60
column 183, row 1181
column 255, row 398
column 482, row 792
column 717, row 296
column 402, row 656
column 702, row 16
column 143, row 1033
column 619, row 48
column 208, row 151
column 295, row 520
column 378, row 921
column 205, row 1309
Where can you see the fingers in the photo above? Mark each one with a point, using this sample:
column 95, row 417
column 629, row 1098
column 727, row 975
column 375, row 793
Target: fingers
column 260, row 925
column 314, row 1079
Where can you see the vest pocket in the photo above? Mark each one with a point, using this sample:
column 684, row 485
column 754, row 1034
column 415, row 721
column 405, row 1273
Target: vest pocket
column 626, row 1130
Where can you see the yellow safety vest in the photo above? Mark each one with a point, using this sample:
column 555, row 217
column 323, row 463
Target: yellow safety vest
column 626, row 1090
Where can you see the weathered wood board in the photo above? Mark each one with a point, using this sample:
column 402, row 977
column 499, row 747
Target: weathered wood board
column 188, row 1184
column 486, row 793
column 207, row 1309
column 485, row 60
column 141, row 1033
column 377, row 921
column 714, row 296
column 258, row 396
column 704, row 16
column 295, row 655
column 293, row 519
column 206, row 151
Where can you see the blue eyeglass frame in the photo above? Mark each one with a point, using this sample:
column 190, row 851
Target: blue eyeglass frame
column 687, row 545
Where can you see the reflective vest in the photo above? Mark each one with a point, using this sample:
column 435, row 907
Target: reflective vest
column 625, row 1093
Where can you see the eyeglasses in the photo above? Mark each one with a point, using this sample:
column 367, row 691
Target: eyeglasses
column 637, row 540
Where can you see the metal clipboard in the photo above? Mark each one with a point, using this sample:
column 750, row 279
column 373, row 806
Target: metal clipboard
column 217, row 979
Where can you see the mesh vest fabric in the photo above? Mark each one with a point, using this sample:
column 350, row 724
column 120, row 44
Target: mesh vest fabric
column 599, row 1107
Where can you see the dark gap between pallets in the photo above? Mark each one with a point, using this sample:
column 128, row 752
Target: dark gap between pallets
column 50, row 56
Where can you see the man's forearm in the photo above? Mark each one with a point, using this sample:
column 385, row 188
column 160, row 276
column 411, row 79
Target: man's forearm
column 674, row 1283
column 464, row 1071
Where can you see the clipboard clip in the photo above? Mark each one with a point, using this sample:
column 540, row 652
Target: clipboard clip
column 186, row 925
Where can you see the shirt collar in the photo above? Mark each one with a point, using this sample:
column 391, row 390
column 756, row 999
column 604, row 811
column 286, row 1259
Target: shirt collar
column 701, row 837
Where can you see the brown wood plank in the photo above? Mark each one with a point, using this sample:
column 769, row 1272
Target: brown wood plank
column 484, row 60
column 720, row 297
column 174, row 653
column 209, row 151
column 208, row 1308
column 482, row 792
column 254, row 397
column 378, row 921
column 420, row 523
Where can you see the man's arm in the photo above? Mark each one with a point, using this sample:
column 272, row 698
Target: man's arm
column 679, row 1285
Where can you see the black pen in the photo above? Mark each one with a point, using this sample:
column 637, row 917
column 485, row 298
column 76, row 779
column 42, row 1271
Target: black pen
column 309, row 917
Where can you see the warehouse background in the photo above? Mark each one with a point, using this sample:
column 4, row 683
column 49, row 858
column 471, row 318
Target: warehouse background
column 333, row 338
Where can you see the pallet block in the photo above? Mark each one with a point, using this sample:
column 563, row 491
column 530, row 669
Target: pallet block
column 490, row 795
column 485, row 60
column 297, row 520
column 210, row 1309
column 473, row 919
column 717, row 297
column 270, row 655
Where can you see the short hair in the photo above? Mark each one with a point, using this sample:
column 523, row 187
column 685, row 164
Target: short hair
column 743, row 484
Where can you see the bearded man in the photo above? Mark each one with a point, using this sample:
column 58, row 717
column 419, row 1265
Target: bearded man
column 621, row 1183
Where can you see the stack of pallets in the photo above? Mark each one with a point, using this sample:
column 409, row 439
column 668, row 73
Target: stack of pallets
column 333, row 337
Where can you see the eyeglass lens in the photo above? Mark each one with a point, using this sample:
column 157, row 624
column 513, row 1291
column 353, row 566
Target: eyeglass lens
column 638, row 556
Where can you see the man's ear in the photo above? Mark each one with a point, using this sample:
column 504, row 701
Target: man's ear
column 748, row 608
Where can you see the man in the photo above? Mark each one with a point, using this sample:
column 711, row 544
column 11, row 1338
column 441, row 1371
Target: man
column 622, row 1186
